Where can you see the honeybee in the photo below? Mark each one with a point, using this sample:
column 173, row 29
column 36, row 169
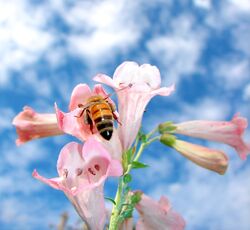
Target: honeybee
column 100, row 112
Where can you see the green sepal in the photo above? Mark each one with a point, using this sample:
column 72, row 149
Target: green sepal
column 138, row 165
column 168, row 139
column 166, row 127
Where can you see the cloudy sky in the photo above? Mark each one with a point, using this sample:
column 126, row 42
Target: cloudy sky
column 47, row 47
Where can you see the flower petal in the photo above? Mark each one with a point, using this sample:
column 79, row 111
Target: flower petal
column 102, row 78
column 154, row 215
column 79, row 95
column 221, row 131
column 207, row 158
column 72, row 123
column 32, row 125
column 82, row 172
column 137, row 85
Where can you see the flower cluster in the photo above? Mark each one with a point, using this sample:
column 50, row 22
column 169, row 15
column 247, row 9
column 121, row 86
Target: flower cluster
column 83, row 168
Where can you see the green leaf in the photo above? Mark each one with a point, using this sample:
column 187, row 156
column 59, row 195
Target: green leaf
column 127, row 178
column 136, row 197
column 143, row 138
column 138, row 165
column 127, row 213
column 110, row 199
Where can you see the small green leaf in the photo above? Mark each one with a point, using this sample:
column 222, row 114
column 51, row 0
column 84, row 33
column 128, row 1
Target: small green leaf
column 110, row 199
column 143, row 138
column 136, row 197
column 127, row 213
column 138, row 165
column 127, row 178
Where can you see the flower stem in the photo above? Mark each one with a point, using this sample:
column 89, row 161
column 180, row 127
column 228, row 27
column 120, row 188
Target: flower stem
column 116, row 210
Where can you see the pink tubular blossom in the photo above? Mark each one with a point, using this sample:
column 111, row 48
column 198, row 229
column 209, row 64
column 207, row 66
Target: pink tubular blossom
column 82, row 172
column 157, row 215
column 135, row 86
column 228, row 132
column 73, row 122
column 213, row 160
column 32, row 125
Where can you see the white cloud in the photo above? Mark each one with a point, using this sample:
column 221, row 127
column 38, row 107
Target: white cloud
column 22, row 36
column 243, row 5
column 241, row 37
column 180, row 49
column 206, row 4
column 246, row 94
column 232, row 73
column 229, row 13
column 100, row 30
column 7, row 115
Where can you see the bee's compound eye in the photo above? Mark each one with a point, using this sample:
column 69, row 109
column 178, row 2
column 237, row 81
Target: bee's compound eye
column 107, row 134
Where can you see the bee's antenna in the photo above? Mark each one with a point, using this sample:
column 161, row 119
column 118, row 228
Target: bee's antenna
column 125, row 87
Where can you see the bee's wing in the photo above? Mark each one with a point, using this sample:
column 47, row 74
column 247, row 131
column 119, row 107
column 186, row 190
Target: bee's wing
column 83, row 107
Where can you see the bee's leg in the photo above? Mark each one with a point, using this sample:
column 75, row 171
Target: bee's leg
column 87, row 120
column 80, row 106
column 82, row 113
column 113, row 108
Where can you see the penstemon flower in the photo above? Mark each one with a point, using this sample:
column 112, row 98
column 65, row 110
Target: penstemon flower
column 82, row 172
column 73, row 122
column 228, row 132
column 31, row 125
column 214, row 160
column 83, row 169
column 139, row 84
column 157, row 215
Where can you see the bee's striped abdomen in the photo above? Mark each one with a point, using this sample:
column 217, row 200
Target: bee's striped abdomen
column 103, row 119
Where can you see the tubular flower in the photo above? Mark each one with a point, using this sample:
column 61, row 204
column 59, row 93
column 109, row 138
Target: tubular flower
column 157, row 215
column 135, row 86
column 32, row 125
column 207, row 158
column 82, row 172
column 228, row 132
column 214, row 160
column 73, row 122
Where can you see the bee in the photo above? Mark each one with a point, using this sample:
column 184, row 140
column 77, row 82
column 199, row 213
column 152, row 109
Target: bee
column 100, row 112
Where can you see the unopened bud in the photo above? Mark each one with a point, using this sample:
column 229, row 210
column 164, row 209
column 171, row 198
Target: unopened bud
column 207, row 158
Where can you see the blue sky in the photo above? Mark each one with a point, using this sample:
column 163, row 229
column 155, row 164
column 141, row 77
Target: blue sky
column 47, row 47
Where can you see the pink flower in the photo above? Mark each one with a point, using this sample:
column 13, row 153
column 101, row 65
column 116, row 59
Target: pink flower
column 32, row 125
column 82, row 172
column 135, row 86
column 157, row 215
column 211, row 159
column 73, row 122
column 228, row 132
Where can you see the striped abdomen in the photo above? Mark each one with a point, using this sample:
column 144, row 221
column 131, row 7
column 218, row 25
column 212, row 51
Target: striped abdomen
column 103, row 118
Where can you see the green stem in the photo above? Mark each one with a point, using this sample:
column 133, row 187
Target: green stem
column 152, row 132
column 114, row 220
column 113, row 225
